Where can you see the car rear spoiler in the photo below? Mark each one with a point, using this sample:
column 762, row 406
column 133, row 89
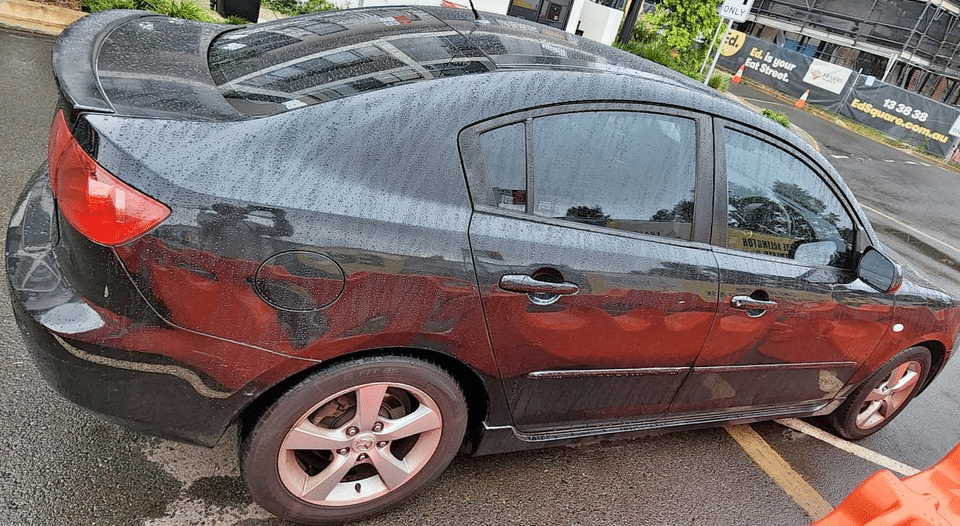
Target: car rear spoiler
column 140, row 64
column 75, row 55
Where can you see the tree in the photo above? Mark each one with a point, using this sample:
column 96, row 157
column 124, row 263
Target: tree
column 682, row 212
column 592, row 215
column 683, row 22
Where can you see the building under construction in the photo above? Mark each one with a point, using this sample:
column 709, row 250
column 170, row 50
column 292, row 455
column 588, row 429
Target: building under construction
column 913, row 44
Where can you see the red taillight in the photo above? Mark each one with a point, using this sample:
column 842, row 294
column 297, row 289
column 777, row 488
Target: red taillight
column 100, row 206
column 60, row 137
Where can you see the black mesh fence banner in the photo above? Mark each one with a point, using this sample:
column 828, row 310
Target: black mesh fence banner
column 920, row 121
column 786, row 71
column 899, row 113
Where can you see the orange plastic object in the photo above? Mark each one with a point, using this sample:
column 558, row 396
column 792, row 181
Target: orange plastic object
column 929, row 498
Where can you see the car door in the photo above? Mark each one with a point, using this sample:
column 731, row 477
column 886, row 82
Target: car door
column 591, row 248
column 794, row 321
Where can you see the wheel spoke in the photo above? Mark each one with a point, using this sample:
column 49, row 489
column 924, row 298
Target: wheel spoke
column 887, row 408
column 907, row 380
column 868, row 413
column 309, row 436
column 392, row 470
column 875, row 395
column 420, row 421
column 369, row 400
column 896, row 375
column 319, row 486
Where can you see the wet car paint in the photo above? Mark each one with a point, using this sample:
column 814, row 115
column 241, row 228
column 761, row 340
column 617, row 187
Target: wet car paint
column 399, row 267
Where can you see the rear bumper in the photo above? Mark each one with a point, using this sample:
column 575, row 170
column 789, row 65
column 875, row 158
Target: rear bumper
column 143, row 372
column 148, row 402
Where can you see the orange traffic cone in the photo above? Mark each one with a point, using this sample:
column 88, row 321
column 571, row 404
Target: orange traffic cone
column 739, row 75
column 802, row 100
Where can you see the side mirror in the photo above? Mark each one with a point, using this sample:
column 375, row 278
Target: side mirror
column 879, row 271
column 817, row 253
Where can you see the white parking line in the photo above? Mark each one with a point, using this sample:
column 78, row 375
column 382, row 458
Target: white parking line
column 839, row 156
column 911, row 229
column 849, row 447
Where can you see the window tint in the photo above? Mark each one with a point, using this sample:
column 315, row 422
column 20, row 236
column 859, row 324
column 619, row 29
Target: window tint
column 625, row 170
column 779, row 206
column 505, row 160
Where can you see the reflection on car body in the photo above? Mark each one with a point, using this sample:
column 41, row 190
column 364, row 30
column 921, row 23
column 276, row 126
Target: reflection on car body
column 374, row 238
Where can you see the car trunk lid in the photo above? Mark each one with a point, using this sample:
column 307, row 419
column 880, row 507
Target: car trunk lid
column 139, row 64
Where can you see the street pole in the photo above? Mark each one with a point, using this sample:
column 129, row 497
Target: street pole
column 956, row 144
column 706, row 56
column 706, row 80
column 849, row 91
column 626, row 32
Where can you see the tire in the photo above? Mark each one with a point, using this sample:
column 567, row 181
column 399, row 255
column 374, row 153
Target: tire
column 317, row 456
column 882, row 396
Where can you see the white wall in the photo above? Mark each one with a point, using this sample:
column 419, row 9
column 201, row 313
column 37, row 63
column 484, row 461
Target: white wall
column 491, row 6
column 575, row 11
column 599, row 22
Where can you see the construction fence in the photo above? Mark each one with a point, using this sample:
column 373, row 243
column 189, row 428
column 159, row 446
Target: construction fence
column 913, row 118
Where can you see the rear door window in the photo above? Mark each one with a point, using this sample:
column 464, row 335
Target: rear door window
column 623, row 170
column 505, row 160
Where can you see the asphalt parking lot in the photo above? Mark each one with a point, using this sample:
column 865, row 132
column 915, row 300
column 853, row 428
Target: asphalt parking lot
column 60, row 465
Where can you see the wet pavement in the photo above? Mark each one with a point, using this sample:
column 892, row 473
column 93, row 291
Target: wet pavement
column 60, row 465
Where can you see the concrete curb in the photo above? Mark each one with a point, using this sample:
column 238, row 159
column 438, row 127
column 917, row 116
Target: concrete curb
column 37, row 17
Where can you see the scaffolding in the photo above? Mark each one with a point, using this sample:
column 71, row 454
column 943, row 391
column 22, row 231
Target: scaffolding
column 914, row 44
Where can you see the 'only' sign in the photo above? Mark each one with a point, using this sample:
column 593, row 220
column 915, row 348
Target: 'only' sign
column 736, row 10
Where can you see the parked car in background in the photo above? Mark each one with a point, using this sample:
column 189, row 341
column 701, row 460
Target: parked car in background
column 375, row 238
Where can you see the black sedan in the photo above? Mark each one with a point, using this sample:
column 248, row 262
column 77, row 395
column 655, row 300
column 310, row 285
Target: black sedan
column 376, row 238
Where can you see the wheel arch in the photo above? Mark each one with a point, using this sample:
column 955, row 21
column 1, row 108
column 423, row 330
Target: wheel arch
column 473, row 386
column 938, row 353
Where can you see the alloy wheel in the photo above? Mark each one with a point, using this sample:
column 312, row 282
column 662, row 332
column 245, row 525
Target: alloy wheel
column 889, row 395
column 359, row 444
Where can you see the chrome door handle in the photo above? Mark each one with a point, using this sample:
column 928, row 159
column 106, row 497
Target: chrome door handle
column 750, row 304
column 525, row 284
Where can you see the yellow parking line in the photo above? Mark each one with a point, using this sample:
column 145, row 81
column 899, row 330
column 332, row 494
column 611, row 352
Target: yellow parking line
column 780, row 471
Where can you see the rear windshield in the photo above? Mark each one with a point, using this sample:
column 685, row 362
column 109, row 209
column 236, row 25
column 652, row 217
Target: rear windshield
column 297, row 62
